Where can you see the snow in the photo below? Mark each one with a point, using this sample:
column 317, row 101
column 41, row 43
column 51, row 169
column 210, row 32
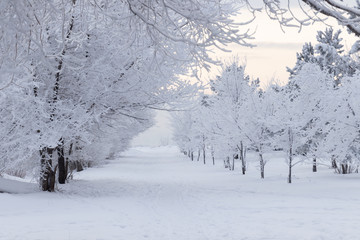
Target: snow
column 13, row 185
column 158, row 193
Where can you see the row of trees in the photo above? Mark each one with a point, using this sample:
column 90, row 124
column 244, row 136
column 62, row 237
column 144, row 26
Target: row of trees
column 313, row 116
column 79, row 78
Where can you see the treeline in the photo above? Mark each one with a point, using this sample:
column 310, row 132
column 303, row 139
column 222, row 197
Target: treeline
column 315, row 115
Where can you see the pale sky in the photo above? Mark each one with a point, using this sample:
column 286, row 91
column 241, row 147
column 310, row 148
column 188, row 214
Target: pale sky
column 275, row 51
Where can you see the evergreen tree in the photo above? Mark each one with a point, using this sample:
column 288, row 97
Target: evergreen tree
column 328, row 53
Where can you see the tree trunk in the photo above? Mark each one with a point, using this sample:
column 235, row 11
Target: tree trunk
column 314, row 165
column 262, row 165
column 204, row 156
column 233, row 163
column 242, row 158
column 78, row 163
column 290, row 167
column 192, row 156
column 47, row 175
column 52, row 180
column 290, row 154
column 44, row 171
column 79, row 166
column 198, row 157
column 61, row 162
column 345, row 168
column 213, row 157
column 333, row 162
column 67, row 164
column 227, row 162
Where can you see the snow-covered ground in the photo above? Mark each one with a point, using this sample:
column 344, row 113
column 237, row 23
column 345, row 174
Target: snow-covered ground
column 159, row 194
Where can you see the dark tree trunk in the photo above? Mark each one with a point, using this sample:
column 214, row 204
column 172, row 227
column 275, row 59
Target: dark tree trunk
column 47, row 174
column 290, row 154
column 79, row 166
column 242, row 158
column 345, row 168
column 290, row 166
column 198, row 157
column 314, row 165
column 44, row 171
column 52, row 180
column 67, row 163
column 61, row 162
column 233, row 163
column 213, row 157
column 204, row 156
column 78, row 163
column 262, row 165
column 192, row 156
column 333, row 162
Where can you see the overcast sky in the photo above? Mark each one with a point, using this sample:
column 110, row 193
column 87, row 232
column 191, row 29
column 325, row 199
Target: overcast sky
column 275, row 51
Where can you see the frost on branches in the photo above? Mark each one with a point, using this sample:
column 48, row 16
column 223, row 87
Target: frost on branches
column 313, row 117
column 345, row 12
column 302, row 13
column 78, row 78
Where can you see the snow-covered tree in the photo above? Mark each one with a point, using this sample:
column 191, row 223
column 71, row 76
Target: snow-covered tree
column 342, row 139
column 328, row 53
column 183, row 126
column 74, row 69
column 232, row 90
column 302, row 111
column 242, row 111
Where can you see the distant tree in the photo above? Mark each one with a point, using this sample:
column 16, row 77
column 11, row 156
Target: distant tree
column 232, row 89
column 328, row 53
column 183, row 126
column 301, row 111
column 342, row 139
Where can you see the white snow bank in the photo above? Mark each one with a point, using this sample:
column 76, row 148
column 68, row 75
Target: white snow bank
column 15, row 186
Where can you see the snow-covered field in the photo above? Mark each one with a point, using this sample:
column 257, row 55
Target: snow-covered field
column 159, row 194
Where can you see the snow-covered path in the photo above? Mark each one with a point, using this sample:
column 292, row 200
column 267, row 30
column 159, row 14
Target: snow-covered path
column 157, row 194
